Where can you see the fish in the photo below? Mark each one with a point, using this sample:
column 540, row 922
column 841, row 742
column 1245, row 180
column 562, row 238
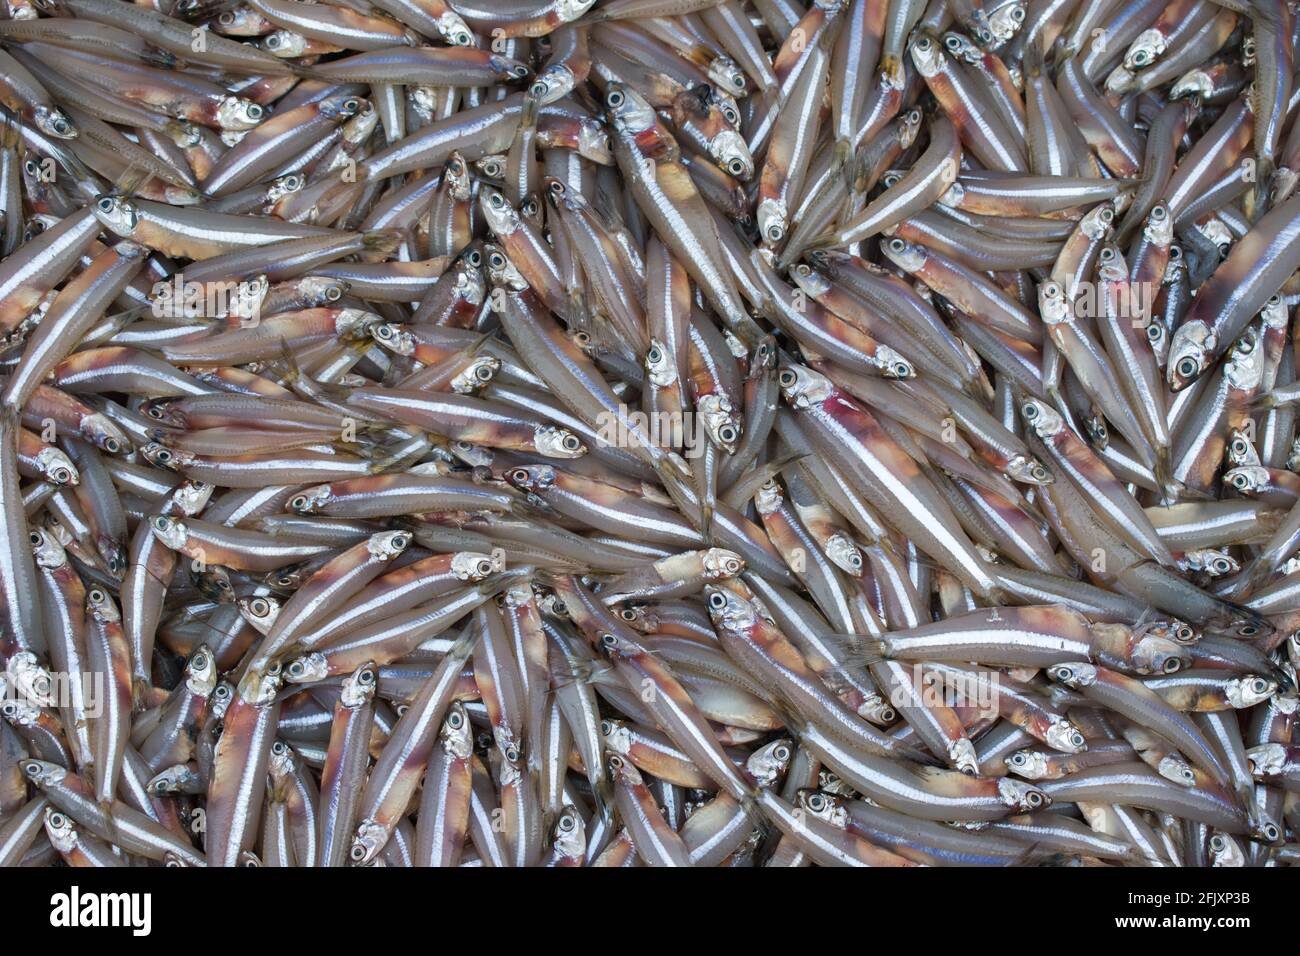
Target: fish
column 702, row 433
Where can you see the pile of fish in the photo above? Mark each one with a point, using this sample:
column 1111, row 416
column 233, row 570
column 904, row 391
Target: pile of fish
column 649, row 432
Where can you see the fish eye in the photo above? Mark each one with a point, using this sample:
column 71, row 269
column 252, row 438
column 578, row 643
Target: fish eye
column 358, row 852
column 333, row 293
column 1187, row 367
column 627, row 614
column 816, row 803
column 538, row 89
column 35, row 538
column 160, row 523
column 260, row 608
column 736, row 167
column 1158, row 213
column 787, row 378
column 1218, row 844
column 1033, row 799
column 496, row 200
column 615, row 99
column 923, row 44
column 298, row 503
column 96, row 596
column 164, row 455
column 199, row 661
column 726, row 434
column 58, row 821
column 571, row 442
column 717, row 601
column 1029, row 410
column 400, row 541
column 366, row 677
column 497, row 261
column 112, row 446
column 1248, row 630
column 352, row 104
column 254, row 111
column 1018, row 14
column 775, row 232
column 455, row 721
column 654, row 355
column 567, row 823
column 1172, row 665
column 615, row 761
column 511, row 755
column 1155, row 332
column 781, row 753
column 279, row 749
column 1259, row 685
column 952, row 43
column 608, row 640
column 106, row 204
column 272, row 41
column 484, row 568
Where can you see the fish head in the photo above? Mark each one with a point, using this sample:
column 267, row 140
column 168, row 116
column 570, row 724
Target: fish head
column 476, row 374
column 260, row 611
column 728, row 609
column 1045, row 421
column 1029, row 764
column 1063, row 735
column 312, row 500
column 569, row 834
column 802, row 387
column 52, row 121
column 170, row 531
column 501, row 217
column 1073, row 674
column 238, row 114
column 1053, row 305
column 1250, row 689
column 553, row 441
column 536, row 479
column 201, row 672
column 307, row 669
column 927, row 55
column 730, row 152
column 474, row 566
column 1248, row 480
column 1189, row 353
column 118, row 214
column 1019, row 795
column 719, row 419
column 1028, row 470
column 767, row 764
